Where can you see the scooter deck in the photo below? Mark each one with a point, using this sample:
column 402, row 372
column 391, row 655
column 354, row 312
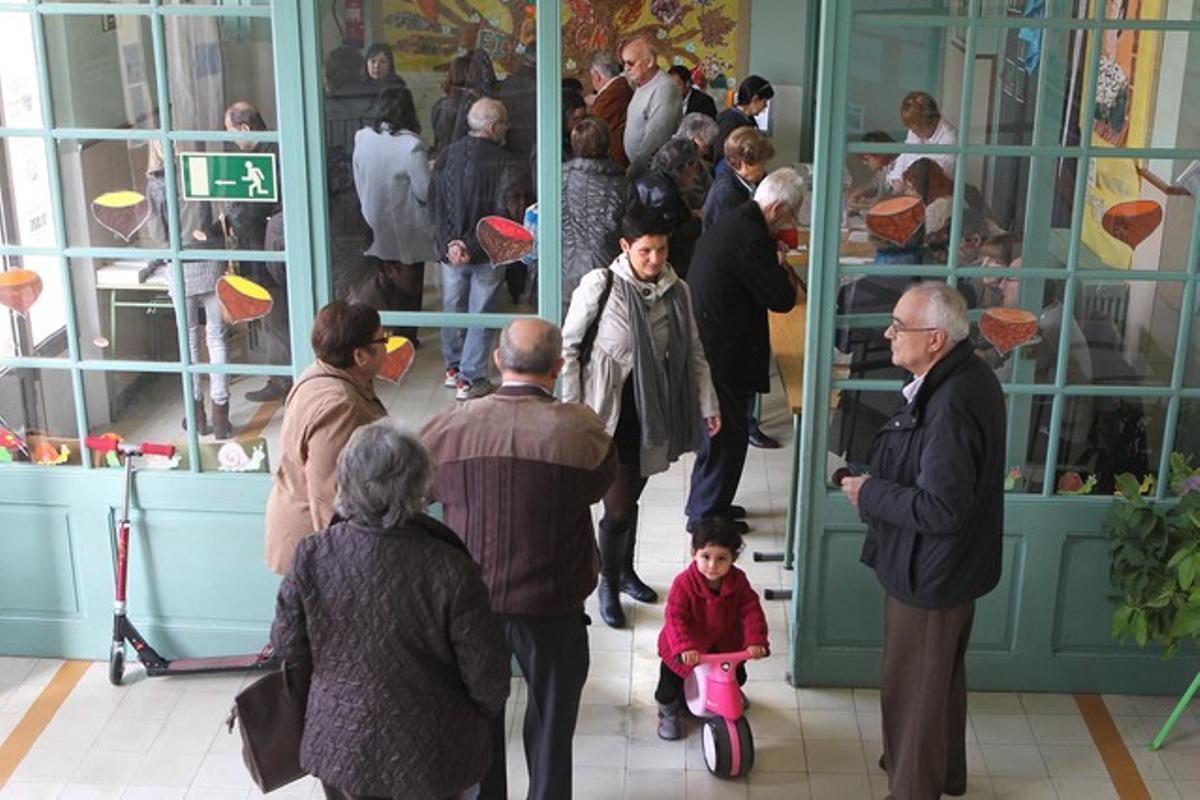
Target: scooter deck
column 241, row 663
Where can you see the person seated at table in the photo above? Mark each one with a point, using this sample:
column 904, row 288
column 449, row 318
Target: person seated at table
column 746, row 154
column 877, row 186
column 919, row 113
column 926, row 179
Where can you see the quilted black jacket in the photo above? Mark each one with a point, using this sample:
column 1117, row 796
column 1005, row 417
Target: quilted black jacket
column 595, row 193
column 408, row 660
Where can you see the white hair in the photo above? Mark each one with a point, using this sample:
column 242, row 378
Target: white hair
column 606, row 65
column 945, row 309
column 484, row 113
column 383, row 475
column 784, row 185
column 698, row 125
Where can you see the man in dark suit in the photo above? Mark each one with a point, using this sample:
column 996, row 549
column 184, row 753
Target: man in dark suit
column 695, row 99
column 737, row 274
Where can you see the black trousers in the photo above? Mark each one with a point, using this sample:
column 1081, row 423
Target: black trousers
column 553, row 655
column 670, row 685
column 718, row 468
column 923, row 696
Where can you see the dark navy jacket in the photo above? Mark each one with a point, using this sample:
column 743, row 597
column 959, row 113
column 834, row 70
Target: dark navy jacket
column 934, row 505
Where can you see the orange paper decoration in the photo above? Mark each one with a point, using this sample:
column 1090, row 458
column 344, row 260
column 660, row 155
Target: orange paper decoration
column 243, row 300
column 1132, row 221
column 123, row 213
column 896, row 219
column 1007, row 328
column 20, row 289
column 503, row 240
column 400, row 356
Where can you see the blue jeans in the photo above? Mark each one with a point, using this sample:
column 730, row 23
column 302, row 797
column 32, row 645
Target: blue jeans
column 470, row 288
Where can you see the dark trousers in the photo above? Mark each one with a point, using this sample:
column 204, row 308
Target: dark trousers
column 553, row 655
column 923, row 695
column 670, row 685
column 719, row 463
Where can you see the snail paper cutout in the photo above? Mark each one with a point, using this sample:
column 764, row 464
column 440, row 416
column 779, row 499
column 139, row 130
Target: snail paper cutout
column 121, row 213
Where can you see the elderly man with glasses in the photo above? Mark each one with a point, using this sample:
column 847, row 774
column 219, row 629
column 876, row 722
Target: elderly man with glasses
column 933, row 501
column 655, row 108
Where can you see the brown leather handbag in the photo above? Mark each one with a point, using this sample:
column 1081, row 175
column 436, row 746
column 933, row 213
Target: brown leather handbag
column 270, row 716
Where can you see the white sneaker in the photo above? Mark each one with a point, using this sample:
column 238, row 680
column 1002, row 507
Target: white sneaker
column 462, row 390
column 451, row 381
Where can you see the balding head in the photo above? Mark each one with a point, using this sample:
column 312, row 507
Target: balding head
column 530, row 350
column 488, row 118
column 242, row 116
column 640, row 59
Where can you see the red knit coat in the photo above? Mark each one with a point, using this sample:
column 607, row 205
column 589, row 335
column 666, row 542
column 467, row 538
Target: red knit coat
column 698, row 619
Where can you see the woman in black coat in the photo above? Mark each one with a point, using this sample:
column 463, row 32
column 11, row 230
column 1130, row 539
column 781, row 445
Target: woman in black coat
column 408, row 662
column 662, row 190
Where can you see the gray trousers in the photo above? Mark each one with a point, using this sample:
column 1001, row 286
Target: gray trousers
column 923, row 696
column 553, row 654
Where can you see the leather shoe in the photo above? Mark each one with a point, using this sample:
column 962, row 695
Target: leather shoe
column 693, row 525
column 275, row 389
column 759, row 439
column 735, row 512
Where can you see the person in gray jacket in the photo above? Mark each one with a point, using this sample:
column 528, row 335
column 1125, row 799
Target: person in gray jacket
column 655, row 108
column 595, row 193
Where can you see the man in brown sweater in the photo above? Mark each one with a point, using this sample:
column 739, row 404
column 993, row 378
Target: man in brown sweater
column 516, row 473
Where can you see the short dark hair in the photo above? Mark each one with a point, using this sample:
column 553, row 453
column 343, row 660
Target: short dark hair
column 458, row 73
column 681, row 72
column 589, row 138
column 396, row 109
column 641, row 220
column 877, row 137
column 386, row 50
column 572, row 83
column 341, row 328
column 754, row 86
column 719, row 531
column 345, row 69
column 919, row 107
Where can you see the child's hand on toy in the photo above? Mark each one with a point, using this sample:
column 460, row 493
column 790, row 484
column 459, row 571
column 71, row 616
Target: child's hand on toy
column 756, row 651
column 690, row 657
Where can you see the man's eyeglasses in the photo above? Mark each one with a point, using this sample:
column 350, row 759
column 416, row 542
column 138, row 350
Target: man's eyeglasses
column 896, row 326
column 628, row 62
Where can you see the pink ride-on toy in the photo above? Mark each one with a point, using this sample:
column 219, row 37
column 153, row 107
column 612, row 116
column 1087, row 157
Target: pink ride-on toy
column 712, row 691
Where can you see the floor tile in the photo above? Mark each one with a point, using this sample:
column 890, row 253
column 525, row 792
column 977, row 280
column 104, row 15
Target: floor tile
column 703, row 786
column 1073, row 761
column 1011, row 788
column 655, row 753
column 1084, row 789
column 778, row 785
column 1001, row 729
column 823, row 786
column 20, row 790
column 600, row 751
column 779, row 755
column 829, row 725
column 1060, row 729
column 835, row 757
column 1016, row 760
column 108, row 768
column 654, row 784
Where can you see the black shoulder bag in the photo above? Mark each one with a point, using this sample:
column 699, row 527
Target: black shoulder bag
column 589, row 335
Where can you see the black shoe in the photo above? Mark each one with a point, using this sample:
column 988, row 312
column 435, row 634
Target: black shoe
column 735, row 512
column 630, row 583
column 693, row 526
column 955, row 791
column 610, row 603
column 759, row 439
column 275, row 389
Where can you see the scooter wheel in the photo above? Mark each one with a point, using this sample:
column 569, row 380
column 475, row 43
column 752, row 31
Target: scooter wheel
column 116, row 665
column 718, row 747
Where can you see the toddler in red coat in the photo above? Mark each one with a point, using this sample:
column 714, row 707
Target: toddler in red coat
column 712, row 608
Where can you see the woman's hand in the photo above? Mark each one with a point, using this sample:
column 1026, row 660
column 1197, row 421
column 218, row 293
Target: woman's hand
column 756, row 651
column 690, row 657
column 714, row 425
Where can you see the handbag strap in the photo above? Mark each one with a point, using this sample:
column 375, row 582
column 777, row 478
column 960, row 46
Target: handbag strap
column 589, row 335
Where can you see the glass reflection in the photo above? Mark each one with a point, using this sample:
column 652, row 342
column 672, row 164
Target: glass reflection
column 37, row 418
column 102, row 71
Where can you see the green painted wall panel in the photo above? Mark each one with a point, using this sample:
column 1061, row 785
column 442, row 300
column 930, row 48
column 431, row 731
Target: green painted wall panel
column 37, row 544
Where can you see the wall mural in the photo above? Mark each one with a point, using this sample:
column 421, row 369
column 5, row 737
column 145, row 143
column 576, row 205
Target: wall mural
column 426, row 34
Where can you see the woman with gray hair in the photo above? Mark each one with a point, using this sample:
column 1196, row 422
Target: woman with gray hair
column 661, row 190
column 701, row 130
column 389, row 611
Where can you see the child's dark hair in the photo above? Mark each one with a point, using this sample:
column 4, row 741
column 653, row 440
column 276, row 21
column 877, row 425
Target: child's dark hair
column 721, row 532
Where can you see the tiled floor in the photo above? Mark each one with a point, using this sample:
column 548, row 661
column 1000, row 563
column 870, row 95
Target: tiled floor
column 163, row 739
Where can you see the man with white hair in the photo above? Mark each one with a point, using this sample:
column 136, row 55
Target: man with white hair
column 737, row 274
column 655, row 108
column 611, row 101
column 933, row 501
column 473, row 178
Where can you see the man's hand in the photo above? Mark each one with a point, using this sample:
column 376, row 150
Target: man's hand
column 458, row 253
column 713, row 424
column 852, row 485
column 690, row 657
column 756, row 651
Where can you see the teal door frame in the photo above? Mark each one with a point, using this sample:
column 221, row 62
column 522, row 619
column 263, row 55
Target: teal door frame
column 1046, row 627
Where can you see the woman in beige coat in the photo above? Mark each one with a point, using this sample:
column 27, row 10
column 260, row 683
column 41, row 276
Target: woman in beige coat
column 332, row 399
column 645, row 374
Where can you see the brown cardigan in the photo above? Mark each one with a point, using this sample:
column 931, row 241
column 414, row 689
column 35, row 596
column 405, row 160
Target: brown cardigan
column 517, row 472
column 610, row 105
column 325, row 406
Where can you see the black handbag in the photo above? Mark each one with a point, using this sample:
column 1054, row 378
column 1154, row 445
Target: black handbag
column 270, row 716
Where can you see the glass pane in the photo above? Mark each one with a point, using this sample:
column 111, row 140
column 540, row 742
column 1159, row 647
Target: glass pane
column 1017, row 354
column 854, row 418
column 106, row 195
column 37, row 417
column 1130, row 330
column 213, row 63
column 1191, row 375
column 124, row 309
column 20, row 103
column 140, row 407
column 237, row 433
column 1105, row 436
column 101, row 71
column 33, row 318
column 1187, row 432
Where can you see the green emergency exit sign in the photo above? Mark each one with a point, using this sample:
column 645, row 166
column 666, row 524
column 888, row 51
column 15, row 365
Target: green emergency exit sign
column 246, row 177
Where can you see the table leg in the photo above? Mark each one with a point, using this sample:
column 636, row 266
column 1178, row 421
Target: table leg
column 1175, row 714
column 112, row 322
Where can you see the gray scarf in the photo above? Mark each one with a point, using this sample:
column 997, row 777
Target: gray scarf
column 664, row 389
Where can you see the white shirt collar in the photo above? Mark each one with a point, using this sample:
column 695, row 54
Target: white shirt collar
column 912, row 387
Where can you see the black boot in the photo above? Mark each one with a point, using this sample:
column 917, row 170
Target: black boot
column 201, row 422
column 631, row 584
column 612, row 549
column 220, row 419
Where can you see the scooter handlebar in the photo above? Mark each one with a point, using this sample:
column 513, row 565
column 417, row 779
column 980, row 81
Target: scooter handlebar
column 155, row 449
column 106, row 444
column 734, row 658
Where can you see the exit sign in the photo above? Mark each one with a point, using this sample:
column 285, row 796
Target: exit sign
column 245, row 177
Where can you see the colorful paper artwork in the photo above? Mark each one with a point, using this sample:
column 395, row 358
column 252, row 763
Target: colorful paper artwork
column 232, row 457
column 400, row 356
column 1132, row 221
column 45, row 455
column 896, row 219
column 243, row 300
column 20, row 289
column 503, row 240
column 122, row 213
column 1008, row 328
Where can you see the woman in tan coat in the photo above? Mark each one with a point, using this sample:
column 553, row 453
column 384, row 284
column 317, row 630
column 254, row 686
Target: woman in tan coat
column 332, row 399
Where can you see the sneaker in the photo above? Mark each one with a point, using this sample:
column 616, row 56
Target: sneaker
column 451, row 381
column 480, row 388
column 276, row 388
column 462, row 389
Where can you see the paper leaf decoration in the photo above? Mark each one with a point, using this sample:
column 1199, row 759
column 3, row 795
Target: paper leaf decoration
column 896, row 219
column 400, row 356
column 243, row 300
column 123, row 213
column 1007, row 328
column 503, row 240
column 20, row 289
column 1132, row 221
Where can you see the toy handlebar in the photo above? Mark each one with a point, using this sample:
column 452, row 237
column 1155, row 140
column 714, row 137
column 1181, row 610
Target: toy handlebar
column 733, row 658
column 105, row 444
